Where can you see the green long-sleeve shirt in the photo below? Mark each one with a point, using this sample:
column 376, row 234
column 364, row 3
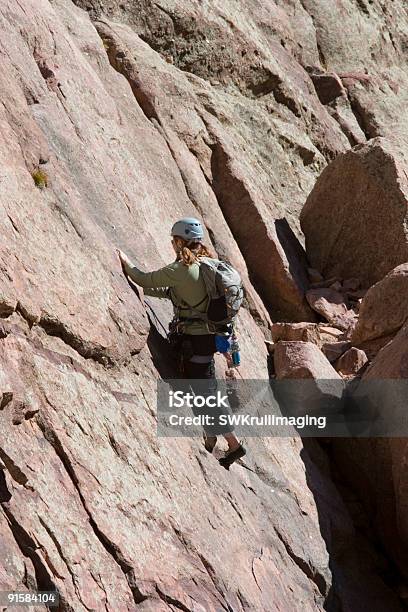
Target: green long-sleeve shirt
column 182, row 284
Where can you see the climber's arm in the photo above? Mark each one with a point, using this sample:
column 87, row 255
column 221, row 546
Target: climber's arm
column 162, row 278
column 158, row 292
column 155, row 284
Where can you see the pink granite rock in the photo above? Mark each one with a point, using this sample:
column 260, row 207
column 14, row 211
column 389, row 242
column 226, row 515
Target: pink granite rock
column 351, row 362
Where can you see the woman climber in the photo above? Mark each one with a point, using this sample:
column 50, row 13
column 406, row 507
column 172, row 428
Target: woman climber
column 182, row 282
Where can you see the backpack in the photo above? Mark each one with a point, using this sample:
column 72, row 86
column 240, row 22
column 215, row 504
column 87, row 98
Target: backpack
column 224, row 290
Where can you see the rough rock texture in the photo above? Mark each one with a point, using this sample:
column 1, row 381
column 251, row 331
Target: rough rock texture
column 364, row 43
column 334, row 350
column 327, row 302
column 384, row 309
column 332, row 305
column 328, row 86
column 131, row 508
column 110, row 130
column 377, row 467
column 391, row 361
column 372, row 347
column 101, row 508
column 302, row 360
column 208, row 138
column 305, row 332
column 313, row 384
column 351, row 362
column 355, row 219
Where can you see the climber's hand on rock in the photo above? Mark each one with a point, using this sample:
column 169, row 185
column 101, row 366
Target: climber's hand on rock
column 124, row 259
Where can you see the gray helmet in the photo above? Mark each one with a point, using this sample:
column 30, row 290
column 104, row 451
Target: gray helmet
column 189, row 229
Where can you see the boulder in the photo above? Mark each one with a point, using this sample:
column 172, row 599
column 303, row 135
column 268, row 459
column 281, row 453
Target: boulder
column 392, row 360
column 332, row 305
column 372, row 347
column 302, row 360
column 306, row 382
column 351, row 362
column 355, row 218
column 271, row 249
column 305, row 332
column 327, row 302
column 347, row 322
column 384, row 308
column 327, row 333
column 334, row 350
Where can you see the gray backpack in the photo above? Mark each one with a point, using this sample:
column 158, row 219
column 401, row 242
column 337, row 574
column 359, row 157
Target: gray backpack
column 224, row 290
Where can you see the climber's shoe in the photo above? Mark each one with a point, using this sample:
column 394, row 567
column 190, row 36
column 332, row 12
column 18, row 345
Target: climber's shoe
column 209, row 442
column 231, row 456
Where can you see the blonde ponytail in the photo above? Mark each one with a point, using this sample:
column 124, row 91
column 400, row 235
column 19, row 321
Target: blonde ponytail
column 190, row 252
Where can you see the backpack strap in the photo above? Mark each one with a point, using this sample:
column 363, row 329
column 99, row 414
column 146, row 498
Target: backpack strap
column 198, row 304
column 182, row 305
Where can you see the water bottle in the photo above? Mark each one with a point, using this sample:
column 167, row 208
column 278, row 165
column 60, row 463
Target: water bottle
column 235, row 353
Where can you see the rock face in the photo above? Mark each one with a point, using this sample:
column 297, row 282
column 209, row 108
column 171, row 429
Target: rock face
column 207, row 137
column 110, row 129
column 92, row 503
column 377, row 467
column 356, row 216
column 384, row 309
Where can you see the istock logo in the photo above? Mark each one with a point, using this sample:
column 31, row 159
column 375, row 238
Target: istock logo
column 178, row 399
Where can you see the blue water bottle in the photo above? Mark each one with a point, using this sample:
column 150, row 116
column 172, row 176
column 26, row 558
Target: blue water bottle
column 235, row 353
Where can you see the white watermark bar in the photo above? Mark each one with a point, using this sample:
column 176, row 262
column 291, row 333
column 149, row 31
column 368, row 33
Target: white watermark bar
column 10, row 599
column 283, row 408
